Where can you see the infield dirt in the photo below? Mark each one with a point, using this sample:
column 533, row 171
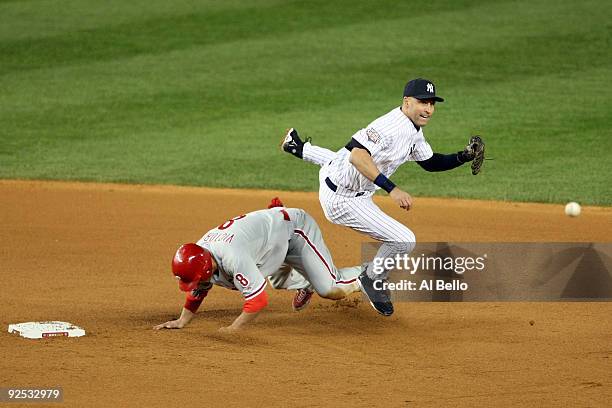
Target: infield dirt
column 98, row 255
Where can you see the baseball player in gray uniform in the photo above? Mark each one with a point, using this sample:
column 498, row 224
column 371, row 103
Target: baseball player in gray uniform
column 283, row 245
column 349, row 177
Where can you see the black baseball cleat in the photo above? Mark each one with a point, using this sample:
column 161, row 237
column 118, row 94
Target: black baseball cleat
column 379, row 299
column 291, row 143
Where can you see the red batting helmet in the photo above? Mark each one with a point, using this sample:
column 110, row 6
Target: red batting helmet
column 191, row 264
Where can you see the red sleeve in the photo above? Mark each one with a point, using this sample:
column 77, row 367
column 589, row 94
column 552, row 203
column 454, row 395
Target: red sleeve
column 192, row 303
column 256, row 303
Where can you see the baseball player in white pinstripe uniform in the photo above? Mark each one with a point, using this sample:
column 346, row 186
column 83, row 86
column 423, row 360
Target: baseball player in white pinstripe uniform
column 349, row 177
column 283, row 245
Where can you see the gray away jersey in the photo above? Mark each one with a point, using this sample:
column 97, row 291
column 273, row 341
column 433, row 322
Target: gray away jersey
column 247, row 249
column 392, row 140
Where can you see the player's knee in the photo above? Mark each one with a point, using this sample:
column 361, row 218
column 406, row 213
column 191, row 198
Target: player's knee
column 398, row 248
column 328, row 290
column 333, row 293
column 408, row 246
column 405, row 242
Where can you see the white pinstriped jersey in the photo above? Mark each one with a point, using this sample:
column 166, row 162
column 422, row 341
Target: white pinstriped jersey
column 392, row 140
column 247, row 249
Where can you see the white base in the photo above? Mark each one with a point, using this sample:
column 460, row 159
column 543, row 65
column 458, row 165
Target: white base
column 41, row 330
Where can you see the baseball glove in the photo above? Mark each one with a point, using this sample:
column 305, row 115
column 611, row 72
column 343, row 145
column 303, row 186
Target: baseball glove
column 475, row 151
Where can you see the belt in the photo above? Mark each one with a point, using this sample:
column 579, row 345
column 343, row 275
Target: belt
column 334, row 187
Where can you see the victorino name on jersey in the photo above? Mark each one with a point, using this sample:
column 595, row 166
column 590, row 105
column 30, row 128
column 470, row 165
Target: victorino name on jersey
column 218, row 237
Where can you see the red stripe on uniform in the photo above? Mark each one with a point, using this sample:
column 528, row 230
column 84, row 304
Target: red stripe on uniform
column 347, row 282
column 247, row 297
column 285, row 215
column 314, row 248
column 300, row 232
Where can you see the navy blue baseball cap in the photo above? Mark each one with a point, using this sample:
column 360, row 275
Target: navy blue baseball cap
column 421, row 89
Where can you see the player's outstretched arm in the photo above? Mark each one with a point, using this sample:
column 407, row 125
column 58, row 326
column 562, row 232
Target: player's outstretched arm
column 250, row 310
column 473, row 152
column 241, row 321
column 182, row 321
column 442, row 162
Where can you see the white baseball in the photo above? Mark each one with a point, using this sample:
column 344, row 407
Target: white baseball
column 572, row 209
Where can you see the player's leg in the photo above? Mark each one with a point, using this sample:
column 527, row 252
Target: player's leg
column 317, row 155
column 308, row 254
column 397, row 239
column 288, row 278
column 361, row 214
column 304, row 149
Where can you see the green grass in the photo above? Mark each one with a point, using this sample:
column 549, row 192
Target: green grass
column 198, row 93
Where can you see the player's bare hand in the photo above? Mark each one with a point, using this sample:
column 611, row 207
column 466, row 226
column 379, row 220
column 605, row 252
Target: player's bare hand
column 172, row 324
column 402, row 198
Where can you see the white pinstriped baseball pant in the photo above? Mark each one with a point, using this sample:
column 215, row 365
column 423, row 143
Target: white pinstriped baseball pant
column 360, row 213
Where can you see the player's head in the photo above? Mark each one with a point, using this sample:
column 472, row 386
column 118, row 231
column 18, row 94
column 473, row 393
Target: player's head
column 419, row 100
column 191, row 265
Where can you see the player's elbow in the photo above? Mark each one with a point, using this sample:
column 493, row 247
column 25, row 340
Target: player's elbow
column 352, row 157
column 357, row 156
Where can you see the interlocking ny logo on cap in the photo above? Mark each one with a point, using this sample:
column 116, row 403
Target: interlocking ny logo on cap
column 430, row 88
